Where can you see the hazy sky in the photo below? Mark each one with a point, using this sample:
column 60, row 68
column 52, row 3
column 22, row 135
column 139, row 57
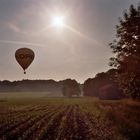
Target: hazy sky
column 80, row 50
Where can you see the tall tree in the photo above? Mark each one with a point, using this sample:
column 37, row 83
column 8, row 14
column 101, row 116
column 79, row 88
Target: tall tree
column 126, row 48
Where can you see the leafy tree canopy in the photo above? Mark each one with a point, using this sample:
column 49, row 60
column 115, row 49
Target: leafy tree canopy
column 70, row 88
column 126, row 48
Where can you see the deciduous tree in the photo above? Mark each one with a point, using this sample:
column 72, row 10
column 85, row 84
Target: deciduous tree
column 126, row 48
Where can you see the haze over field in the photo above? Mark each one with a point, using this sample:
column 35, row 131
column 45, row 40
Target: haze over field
column 79, row 49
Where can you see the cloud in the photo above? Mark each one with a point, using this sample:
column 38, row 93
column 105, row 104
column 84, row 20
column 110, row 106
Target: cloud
column 21, row 43
column 14, row 27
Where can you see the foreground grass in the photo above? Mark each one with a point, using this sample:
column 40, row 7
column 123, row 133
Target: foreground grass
column 71, row 119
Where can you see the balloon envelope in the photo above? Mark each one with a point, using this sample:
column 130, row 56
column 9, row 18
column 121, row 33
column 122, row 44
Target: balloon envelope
column 24, row 57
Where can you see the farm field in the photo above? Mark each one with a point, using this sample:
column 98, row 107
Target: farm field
column 46, row 118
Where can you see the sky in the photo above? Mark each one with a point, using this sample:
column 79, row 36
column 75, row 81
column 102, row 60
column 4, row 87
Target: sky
column 79, row 50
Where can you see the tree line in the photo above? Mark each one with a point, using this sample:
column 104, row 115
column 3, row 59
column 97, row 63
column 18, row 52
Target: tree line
column 31, row 86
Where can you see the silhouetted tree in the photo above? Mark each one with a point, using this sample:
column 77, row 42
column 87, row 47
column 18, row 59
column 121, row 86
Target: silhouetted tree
column 89, row 87
column 110, row 92
column 126, row 48
column 92, row 86
column 70, row 88
column 103, row 85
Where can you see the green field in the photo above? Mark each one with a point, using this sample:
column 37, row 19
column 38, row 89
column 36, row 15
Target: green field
column 42, row 117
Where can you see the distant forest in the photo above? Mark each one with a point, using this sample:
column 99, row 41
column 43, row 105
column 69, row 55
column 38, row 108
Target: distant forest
column 31, row 86
column 103, row 85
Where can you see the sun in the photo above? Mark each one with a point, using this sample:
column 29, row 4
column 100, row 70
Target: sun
column 58, row 21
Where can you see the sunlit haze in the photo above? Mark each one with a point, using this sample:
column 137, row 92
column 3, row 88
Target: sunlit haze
column 69, row 37
column 58, row 21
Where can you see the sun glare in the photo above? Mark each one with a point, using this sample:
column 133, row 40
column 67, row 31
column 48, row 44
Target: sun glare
column 58, row 21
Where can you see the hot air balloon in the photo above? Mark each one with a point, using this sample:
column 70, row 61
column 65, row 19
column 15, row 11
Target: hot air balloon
column 24, row 57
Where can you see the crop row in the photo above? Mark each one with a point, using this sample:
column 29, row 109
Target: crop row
column 17, row 126
column 57, row 121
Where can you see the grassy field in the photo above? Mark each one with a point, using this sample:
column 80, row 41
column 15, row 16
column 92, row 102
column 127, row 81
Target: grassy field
column 41, row 118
